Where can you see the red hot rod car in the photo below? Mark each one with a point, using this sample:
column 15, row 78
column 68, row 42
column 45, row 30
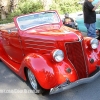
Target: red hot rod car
column 38, row 48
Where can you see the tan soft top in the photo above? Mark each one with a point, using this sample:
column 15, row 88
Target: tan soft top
column 9, row 26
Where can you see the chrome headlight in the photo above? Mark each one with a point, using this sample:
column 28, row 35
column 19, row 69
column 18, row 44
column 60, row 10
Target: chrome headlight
column 58, row 55
column 94, row 43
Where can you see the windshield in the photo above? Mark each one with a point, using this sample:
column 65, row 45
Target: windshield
column 32, row 20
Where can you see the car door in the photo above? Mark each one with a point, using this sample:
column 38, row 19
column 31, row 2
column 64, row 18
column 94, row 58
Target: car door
column 12, row 45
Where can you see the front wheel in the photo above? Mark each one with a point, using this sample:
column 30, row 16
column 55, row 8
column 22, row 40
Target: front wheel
column 33, row 82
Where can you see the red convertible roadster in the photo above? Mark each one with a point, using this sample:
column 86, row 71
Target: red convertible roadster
column 38, row 48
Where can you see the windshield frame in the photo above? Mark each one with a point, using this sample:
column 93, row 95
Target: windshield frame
column 38, row 24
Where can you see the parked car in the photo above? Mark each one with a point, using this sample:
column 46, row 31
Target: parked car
column 47, row 54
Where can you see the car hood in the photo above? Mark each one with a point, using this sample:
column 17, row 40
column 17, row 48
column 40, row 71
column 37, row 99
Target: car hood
column 60, row 34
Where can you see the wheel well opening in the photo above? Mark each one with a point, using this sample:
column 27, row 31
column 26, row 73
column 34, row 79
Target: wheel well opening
column 25, row 72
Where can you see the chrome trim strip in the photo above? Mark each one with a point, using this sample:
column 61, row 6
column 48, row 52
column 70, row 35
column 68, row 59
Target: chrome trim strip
column 84, row 59
column 78, row 37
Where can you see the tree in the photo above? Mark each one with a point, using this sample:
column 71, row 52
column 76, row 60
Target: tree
column 7, row 6
column 4, row 8
column 13, row 5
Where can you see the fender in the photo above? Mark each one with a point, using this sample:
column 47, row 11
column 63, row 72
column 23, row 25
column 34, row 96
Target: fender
column 47, row 72
column 93, row 55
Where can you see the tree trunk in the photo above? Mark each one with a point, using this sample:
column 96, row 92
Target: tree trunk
column 13, row 5
column 3, row 13
column 4, row 8
column 7, row 6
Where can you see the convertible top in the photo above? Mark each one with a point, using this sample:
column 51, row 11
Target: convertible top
column 9, row 26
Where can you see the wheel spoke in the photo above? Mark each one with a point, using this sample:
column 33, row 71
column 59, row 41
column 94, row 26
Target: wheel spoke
column 32, row 80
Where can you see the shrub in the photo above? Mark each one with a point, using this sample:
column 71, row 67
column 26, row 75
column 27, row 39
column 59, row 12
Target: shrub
column 24, row 6
column 66, row 6
column 28, row 6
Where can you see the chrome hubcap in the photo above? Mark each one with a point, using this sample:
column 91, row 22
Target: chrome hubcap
column 32, row 80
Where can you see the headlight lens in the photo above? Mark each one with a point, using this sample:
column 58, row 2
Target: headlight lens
column 58, row 55
column 94, row 43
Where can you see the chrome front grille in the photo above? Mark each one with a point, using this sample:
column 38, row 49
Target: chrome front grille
column 76, row 55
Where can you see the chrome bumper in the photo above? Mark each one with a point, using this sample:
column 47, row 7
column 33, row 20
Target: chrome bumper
column 66, row 86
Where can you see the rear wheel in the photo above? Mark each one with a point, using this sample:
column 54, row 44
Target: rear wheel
column 33, row 82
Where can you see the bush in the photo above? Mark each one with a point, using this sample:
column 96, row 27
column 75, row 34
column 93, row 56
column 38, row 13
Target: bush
column 24, row 7
column 28, row 6
column 66, row 6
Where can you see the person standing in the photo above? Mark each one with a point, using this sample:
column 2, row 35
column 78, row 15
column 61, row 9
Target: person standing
column 90, row 17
